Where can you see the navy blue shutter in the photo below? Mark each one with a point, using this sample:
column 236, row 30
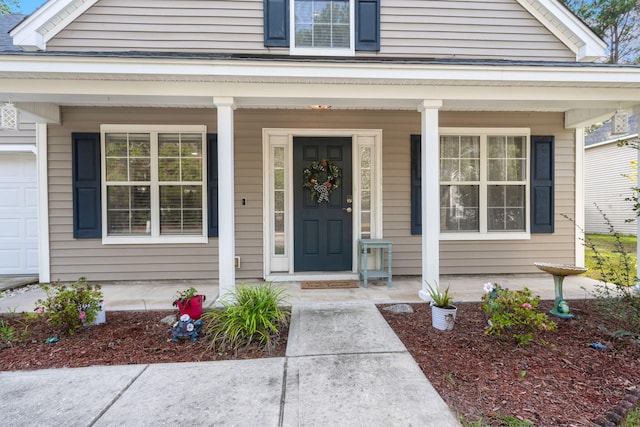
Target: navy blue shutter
column 542, row 184
column 276, row 23
column 212, row 184
column 416, row 186
column 85, row 154
column 367, row 25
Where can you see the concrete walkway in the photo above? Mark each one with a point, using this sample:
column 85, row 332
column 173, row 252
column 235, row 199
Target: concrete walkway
column 344, row 367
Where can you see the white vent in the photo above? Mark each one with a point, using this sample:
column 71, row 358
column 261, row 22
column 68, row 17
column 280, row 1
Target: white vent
column 620, row 123
column 236, row 262
column 8, row 116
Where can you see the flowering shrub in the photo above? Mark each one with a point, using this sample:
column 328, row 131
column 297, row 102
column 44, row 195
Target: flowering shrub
column 513, row 313
column 70, row 306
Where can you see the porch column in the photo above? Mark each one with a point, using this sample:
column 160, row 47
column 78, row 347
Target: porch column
column 226, row 208
column 44, row 267
column 430, row 195
column 579, row 183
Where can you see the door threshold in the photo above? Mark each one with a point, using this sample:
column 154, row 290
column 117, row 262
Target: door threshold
column 311, row 275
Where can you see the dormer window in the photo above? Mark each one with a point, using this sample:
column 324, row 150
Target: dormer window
column 322, row 27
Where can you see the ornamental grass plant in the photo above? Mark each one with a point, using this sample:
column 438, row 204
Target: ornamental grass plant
column 250, row 314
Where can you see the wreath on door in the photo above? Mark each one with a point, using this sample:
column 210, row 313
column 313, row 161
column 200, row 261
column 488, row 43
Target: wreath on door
column 321, row 178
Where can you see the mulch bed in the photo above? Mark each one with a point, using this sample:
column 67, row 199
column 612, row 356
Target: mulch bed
column 128, row 337
column 563, row 383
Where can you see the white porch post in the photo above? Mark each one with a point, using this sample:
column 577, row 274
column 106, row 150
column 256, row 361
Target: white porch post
column 579, row 216
column 44, row 268
column 226, row 208
column 429, row 160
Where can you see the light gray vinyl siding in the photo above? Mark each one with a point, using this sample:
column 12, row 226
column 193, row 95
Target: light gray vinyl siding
column 480, row 257
column 25, row 135
column 606, row 186
column 493, row 29
column 71, row 258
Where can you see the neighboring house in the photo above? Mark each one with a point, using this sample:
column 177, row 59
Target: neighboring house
column 18, row 184
column 609, row 178
column 180, row 135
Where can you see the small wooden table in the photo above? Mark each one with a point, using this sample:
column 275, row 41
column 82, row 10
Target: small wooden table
column 364, row 245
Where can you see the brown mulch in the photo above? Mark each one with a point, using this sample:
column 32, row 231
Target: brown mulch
column 563, row 383
column 128, row 337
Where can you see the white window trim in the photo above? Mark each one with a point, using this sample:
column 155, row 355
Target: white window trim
column 483, row 234
column 153, row 239
column 312, row 51
column 275, row 266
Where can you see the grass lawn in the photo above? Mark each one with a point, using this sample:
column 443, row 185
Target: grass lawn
column 609, row 249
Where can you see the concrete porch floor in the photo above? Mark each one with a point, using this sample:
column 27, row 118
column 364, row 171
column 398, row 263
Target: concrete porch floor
column 159, row 295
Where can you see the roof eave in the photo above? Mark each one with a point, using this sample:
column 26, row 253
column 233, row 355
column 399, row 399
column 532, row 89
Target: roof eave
column 568, row 28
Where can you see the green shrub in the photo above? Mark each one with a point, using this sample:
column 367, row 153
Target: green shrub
column 70, row 306
column 14, row 327
column 249, row 314
column 513, row 313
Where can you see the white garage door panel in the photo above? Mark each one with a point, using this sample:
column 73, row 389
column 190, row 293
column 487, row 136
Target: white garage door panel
column 10, row 197
column 9, row 230
column 18, row 214
column 8, row 259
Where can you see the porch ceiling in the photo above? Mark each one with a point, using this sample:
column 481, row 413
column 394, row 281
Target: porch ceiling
column 586, row 92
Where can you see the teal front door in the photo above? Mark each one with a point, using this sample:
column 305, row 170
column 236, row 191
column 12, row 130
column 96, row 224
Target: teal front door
column 322, row 228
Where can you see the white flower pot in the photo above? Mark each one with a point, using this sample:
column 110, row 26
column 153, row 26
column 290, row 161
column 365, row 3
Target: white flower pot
column 443, row 318
column 101, row 316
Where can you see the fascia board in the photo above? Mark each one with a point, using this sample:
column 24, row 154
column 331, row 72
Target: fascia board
column 140, row 69
column 592, row 47
column 31, row 34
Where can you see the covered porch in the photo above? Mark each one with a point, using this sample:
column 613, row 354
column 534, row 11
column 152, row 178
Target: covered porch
column 158, row 295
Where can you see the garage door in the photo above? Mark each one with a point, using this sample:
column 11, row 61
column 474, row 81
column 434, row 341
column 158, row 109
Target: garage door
column 18, row 214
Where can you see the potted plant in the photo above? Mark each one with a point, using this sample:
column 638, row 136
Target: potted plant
column 443, row 312
column 190, row 302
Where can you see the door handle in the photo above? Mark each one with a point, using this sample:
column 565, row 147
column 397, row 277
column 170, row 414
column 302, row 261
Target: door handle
column 349, row 210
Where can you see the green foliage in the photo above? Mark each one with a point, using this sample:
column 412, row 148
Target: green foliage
column 9, row 6
column 15, row 327
column 509, row 421
column 615, row 21
column 611, row 259
column 514, row 314
column 70, row 306
column 632, row 419
column 249, row 314
column 611, row 256
column 439, row 298
column 186, row 295
column 7, row 332
column 503, row 420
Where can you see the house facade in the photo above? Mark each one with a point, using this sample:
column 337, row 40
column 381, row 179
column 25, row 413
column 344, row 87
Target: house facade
column 262, row 139
column 610, row 174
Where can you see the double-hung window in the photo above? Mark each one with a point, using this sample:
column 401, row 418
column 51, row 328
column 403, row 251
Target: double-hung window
column 484, row 188
column 322, row 27
column 154, row 184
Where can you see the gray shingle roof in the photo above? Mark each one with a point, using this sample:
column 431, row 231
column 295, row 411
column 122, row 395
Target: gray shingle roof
column 7, row 23
column 603, row 133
